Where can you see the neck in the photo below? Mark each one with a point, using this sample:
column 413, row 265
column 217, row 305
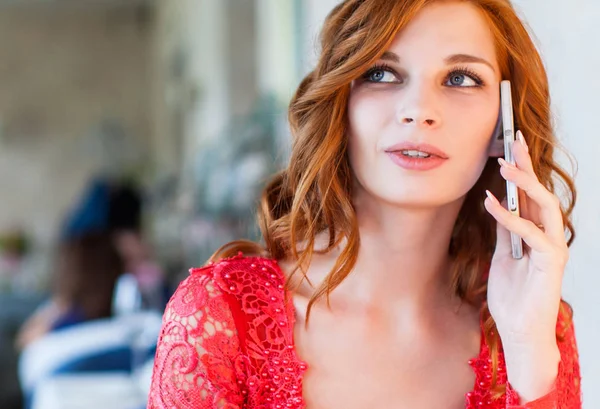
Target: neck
column 403, row 256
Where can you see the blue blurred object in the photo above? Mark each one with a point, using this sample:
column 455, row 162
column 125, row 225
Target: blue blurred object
column 115, row 359
column 105, row 205
column 91, row 214
column 73, row 316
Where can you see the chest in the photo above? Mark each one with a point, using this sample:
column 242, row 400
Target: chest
column 362, row 363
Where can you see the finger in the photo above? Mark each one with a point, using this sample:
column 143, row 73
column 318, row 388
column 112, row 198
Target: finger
column 523, row 162
column 522, row 157
column 531, row 234
column 548, row 204
column 526, row 210
column 503, row 240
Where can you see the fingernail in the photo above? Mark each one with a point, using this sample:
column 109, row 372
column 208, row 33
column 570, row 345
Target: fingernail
column 491, row 197
column 522, row 140
column 504, row 163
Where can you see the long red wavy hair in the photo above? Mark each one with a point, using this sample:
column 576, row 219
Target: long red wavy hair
column 313, row 194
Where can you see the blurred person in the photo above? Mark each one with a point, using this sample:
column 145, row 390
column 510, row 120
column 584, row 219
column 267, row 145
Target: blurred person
column 386, row 278
column 87, row 269
column 124, row 220
column 116, row 206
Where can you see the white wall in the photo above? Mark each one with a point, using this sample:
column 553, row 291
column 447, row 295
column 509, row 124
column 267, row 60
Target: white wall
column 567, row 35
column 191, row 69
column 275, row 51
column 213, row 44
column 315, row 12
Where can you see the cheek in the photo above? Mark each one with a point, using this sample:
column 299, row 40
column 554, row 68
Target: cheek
column 368, row 115
column 471, row 126
column 364, row 120
column 471, row 129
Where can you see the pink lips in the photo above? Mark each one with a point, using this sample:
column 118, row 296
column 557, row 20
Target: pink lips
column 437, row 158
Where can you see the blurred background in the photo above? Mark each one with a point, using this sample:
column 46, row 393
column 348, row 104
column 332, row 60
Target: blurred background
column 156, row 122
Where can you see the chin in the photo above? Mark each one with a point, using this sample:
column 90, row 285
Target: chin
column 434, row 190
column 417, row 197
column 422, row 202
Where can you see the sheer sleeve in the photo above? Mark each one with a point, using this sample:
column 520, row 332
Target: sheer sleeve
column 198, row 349
column 566, row 393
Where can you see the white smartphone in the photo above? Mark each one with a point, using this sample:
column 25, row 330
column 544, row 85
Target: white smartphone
column 508, row 134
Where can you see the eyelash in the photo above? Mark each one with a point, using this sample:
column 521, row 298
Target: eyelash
column 458, row 70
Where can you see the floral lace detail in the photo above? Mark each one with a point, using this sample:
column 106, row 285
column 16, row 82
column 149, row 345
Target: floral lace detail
column 274, row 371
column 198, row 352
column 227, row 343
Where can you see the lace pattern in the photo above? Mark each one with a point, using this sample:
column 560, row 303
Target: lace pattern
column 198, row 353
column 227, row 343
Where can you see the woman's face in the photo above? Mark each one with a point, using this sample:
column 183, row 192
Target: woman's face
column 437, row 84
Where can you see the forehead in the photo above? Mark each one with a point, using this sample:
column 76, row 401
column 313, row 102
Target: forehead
column 445, row 28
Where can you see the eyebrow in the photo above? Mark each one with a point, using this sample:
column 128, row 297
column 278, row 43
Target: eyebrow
column 452, row 59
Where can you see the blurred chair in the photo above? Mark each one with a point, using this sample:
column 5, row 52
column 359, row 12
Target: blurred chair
column 104, row 357
column 89, row 391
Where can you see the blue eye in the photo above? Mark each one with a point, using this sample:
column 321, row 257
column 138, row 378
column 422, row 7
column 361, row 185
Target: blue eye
column 464, row 78
column 381, row 74
column 457, row 78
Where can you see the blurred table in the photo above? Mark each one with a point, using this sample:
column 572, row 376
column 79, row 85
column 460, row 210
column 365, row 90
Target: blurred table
column 90, row 391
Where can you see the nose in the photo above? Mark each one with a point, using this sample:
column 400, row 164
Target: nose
column 417, row 108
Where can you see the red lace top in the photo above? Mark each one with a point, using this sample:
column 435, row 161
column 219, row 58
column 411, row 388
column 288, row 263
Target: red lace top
column 227, row 343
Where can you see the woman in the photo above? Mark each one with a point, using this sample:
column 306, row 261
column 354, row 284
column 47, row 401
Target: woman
column 387, row 281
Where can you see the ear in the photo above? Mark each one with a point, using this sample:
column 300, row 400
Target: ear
column 496, row 147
